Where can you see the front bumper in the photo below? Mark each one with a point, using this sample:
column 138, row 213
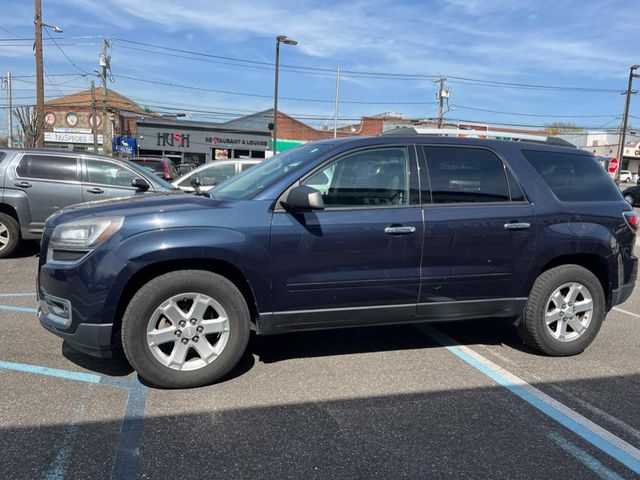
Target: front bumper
column 93, row 339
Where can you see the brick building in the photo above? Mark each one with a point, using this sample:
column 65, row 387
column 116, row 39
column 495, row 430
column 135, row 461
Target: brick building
column 68, row 120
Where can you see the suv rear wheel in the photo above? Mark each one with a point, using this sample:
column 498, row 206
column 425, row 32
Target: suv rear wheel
column 564, row 312
column 629, row 198
column 9, row 235
column 185, row 329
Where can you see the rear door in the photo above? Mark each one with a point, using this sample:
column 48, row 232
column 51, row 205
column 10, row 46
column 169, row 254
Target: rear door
column 358, row 260
column 479, row 233
column 50, row 181
column 103, row 179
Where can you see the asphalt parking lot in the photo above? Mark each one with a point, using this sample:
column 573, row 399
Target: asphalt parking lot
column 461, row 400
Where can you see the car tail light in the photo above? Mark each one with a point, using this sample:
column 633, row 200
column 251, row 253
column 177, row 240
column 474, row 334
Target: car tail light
column 632, row 220
column 167, row 173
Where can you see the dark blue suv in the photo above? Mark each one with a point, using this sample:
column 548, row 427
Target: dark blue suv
column 351, row 232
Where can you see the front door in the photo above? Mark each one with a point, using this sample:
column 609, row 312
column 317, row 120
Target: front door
column 479, row 235
column 358, row 260
column 51, row 182
column 104, row 179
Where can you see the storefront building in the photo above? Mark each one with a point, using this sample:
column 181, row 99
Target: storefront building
column 198, row 142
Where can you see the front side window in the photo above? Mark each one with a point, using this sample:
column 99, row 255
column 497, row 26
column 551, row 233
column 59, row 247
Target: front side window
column 107, row 173
column 48, row 167
column 573, row 177
column 212, row 176
column 376, row 177
column 465, row 175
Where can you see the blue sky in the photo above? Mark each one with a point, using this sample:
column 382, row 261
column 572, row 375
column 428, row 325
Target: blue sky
column 563, row 43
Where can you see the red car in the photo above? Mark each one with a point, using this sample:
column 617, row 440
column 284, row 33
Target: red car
column 161, row 166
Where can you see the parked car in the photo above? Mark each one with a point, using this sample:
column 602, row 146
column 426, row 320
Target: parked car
column 632, row 195
column 35, row 183
column 186, row 167
column 412, row 228
column 161, row 166
column 626, row 176
column 213, row 173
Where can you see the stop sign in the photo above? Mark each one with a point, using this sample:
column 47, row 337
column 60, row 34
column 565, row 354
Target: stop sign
column 613, row 165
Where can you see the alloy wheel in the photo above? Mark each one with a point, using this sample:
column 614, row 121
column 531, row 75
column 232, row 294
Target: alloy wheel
column 569, row 311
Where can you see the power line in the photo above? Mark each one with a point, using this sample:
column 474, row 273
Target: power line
column 372, row 74
column 64, row 54
column 531, row 114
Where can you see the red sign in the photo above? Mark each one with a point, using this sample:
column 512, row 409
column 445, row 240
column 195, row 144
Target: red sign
column 613, row 165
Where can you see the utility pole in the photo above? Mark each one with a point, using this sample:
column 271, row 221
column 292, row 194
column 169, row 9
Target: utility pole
column 287, row 41
column 105, row 63
column 9, row 111
column 337, row 105
column 37, row 20
column 94, row 117
column 625, row 118
column 441, row 95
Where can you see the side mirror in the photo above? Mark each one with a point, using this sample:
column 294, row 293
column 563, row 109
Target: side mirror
column 195, row 183
column 304, row 198
column 140, row 184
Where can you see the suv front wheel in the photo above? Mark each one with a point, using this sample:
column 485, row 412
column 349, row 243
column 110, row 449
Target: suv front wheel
column 9, row 235
column 564, row 311
column 185, row 329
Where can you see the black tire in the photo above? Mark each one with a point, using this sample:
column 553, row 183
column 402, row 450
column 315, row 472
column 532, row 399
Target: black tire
column 532, row 327
column 630, row 200
column 153, row 294
column 12, row 232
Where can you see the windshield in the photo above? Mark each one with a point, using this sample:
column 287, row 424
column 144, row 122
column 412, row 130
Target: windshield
column 252, row 181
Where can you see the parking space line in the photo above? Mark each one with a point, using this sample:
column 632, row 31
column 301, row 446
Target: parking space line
column 58, row 468
column 13, row 308
column 127, row 456
column 604, row 440
column 627, row 312
column 588, row 460
column 65, row 374
column 7, row 295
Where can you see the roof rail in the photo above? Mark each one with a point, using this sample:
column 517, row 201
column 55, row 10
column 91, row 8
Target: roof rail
column 491, row 134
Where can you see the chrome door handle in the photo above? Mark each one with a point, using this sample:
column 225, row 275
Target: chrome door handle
column 517, row 226
column 23, row 184
column 95, row 190
column 399, row 230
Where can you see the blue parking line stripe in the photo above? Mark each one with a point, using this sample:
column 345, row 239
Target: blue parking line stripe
column 588, row 460
column 13, row 308
column 630, row 461
column 125, row 464
column 51, row 372
column 3, row 295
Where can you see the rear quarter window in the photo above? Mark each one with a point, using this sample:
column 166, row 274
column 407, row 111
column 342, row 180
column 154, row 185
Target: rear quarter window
column 573, row 177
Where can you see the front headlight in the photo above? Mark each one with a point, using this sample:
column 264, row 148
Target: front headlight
column 84, row 234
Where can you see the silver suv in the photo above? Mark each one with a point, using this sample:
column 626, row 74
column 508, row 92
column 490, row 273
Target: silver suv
column 36, row 183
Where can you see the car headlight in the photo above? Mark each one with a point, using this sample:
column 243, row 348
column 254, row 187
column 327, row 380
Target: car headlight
column 82, row 235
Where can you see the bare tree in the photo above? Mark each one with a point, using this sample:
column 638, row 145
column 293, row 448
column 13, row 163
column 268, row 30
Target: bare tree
column 31, row 126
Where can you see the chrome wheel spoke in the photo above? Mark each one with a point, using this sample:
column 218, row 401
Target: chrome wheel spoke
column 576, row 325
column 3, row 229
column 574, row 291
column 561, row 330
column 3, row 240
column 178, row 354
column 162, row 336
column 205, row 350
column 173, row 313
column 553, row 316
column 215, row 326
column 557, row 299
column 584, row 306
column 199, row 307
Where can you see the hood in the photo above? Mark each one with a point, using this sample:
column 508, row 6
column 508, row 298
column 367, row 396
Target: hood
column 155, row 203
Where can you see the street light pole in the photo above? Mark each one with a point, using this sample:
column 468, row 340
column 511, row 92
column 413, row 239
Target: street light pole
column 286, row 41
column 625, row 119
column 37, row 20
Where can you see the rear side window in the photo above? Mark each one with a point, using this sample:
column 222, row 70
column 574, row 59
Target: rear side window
column 573, row 177
column 49, row 167
column 465, row 175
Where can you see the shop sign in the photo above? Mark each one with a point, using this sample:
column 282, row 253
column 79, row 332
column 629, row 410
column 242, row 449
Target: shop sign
column 62, row 137
column 126, row 145
column 175, row 139
column 226, row 141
